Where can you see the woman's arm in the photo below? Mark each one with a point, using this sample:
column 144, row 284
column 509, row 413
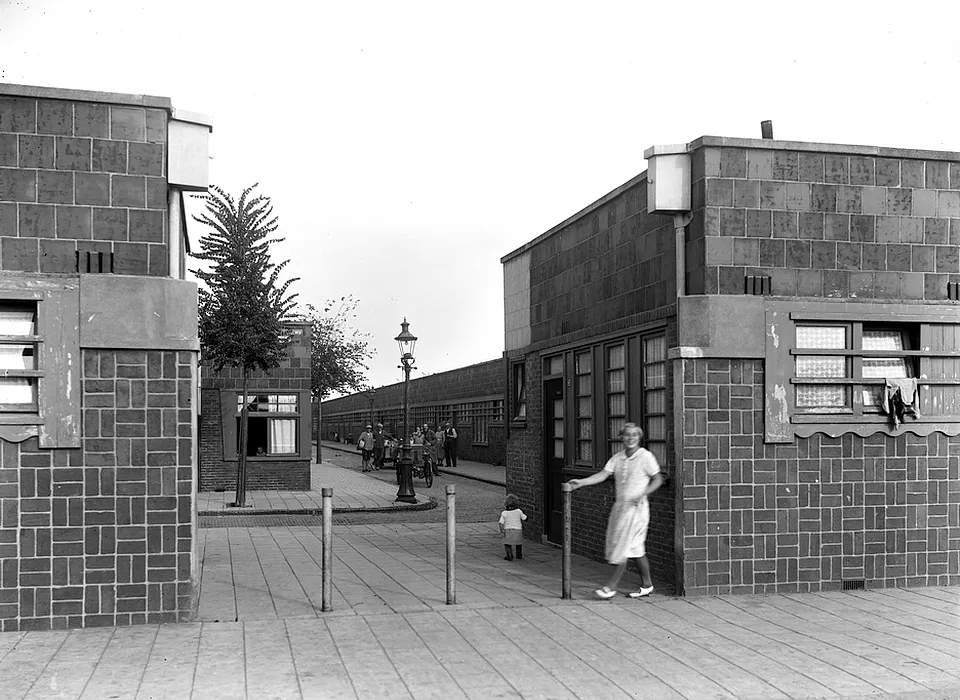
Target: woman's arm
column 656, row 481
column 590, row 480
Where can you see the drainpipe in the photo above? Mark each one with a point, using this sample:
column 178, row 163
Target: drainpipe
column 680, row 223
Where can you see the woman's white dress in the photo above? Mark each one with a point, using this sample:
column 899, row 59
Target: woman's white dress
column 627, row 526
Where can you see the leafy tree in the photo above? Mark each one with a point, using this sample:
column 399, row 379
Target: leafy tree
column 242, row 304
column 339, row 352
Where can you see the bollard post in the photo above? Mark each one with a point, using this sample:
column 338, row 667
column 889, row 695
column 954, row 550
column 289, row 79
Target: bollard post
column 327, row 575
column 451, row 544
column 566, row 489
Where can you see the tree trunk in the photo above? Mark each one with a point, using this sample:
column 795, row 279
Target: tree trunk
column 319, row 430
column 242, row 453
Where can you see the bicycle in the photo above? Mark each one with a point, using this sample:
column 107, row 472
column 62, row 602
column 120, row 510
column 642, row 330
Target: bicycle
column 422, row 467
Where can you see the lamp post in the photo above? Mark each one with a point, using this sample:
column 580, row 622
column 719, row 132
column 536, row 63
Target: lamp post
column 406, row 340
column 370, row 394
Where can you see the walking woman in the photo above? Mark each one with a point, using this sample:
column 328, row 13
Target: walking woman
column 637, row 475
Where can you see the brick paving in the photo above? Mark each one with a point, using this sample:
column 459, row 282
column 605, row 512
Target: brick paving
column 259, row 632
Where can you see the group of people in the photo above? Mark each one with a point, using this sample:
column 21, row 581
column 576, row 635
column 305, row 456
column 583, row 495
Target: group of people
column 442, row 445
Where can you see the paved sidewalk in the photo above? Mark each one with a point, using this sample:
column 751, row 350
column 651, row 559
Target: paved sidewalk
column 391, row 635
column 352, row 491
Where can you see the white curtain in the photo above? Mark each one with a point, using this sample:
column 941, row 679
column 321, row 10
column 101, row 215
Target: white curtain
column 17, row 390
column 283, row 436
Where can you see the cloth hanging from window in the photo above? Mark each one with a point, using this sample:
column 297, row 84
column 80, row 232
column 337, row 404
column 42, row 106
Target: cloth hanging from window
column 900, row 397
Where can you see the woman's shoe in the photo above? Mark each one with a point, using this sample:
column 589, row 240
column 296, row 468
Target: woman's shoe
column 642, row 593
column 605, row 593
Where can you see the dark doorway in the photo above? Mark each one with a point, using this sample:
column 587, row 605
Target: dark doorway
column 553, row 457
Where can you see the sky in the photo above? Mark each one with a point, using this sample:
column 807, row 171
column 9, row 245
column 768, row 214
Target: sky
column 407, row 146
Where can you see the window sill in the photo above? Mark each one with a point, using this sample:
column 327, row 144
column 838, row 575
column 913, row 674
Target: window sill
column 518, row 423
column 271, row 458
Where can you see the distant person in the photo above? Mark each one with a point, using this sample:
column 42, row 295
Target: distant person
column 637, row 475
column 430, row 443
column 379, row 443
column 349, row 440
column 441, row 437
column 365, row 445
column 450, row 439
column 336, row 436
column 511, row 527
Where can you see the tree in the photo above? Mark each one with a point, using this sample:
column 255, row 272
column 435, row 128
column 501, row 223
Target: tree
column 339, row 352
column 242, row 304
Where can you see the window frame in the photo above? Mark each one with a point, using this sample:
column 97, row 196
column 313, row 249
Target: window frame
column 24, row 413
column 230, row 415
column 613, row 442
column 518, row 393
column 580, row 418
column 853, row 382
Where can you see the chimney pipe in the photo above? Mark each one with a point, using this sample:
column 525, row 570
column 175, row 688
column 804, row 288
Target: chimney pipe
column 766, row 129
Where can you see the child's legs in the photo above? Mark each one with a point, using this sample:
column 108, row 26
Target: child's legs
column 519, row 551
column 509, row 550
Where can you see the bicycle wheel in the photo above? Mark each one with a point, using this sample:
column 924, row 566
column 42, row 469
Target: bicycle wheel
column 428, row 476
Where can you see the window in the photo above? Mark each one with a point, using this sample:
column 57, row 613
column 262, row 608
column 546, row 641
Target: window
column 19, row 370
column 519, row 392
column 840, row 368
column 273, row 422
column 655, row 396
column 616, row 386
column 583, row 369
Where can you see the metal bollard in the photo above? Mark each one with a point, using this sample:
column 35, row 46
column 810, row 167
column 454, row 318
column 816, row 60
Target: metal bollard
column 326, row 604
column 451, row 544
column 566, row 489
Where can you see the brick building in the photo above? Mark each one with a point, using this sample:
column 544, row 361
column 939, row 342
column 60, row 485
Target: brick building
column 471, row 398
column 99, row 340
column 756, row 355
column 278, row 443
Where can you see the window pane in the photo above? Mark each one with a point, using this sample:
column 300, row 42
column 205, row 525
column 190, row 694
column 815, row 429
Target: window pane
column 821, row 395
column 284, row 403
column 820, row 337
column 584, row 407
column 617, row 404
column 656, row 428
column 17, row 357
column 18, row 390
column 17, row 319
column 656, row 401
column 585, row 451
column 555, row 365
column 615, row 380
column 584, row 386
column 583, row 365
column 615, row 357
column 616, row 425
column 882, row 340
column 558, row 428
column 585, row 429
column 558, row 449
column 655, row 349
column 821, row 366
column 283, row 436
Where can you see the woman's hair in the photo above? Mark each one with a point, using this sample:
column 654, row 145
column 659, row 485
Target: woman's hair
column 510, row 503
column 631, row 426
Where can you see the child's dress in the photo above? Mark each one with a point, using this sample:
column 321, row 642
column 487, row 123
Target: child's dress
column 512, row 523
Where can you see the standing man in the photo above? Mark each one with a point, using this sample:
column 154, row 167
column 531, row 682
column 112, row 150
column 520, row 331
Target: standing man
column 450, row 440
column 379, row 440
column 365, row 445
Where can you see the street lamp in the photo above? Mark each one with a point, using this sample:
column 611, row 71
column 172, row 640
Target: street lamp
column 406, row 340
column 370, row 394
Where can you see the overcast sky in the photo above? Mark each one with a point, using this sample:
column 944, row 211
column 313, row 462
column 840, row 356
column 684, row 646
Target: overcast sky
column 408, row 145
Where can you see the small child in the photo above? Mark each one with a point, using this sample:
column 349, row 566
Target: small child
column 511, row 527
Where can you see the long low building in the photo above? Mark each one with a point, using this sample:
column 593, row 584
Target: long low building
column 470, row 398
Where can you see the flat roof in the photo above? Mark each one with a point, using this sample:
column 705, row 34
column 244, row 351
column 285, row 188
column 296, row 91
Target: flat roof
column 756, row 144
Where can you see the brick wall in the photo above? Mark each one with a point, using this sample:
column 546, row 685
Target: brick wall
column 760, row 518
column 825, row 224
column 103, row 535
column 82, row 178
